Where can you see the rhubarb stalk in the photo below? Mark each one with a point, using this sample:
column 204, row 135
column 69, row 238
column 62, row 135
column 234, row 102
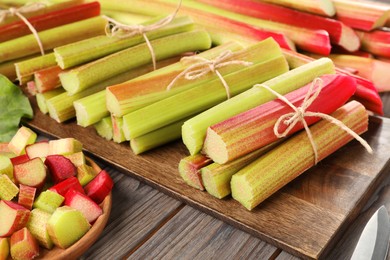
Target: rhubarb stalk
column 259, row 180
column 25, row 69
column 321, row 7
column 27, row 45
column 201, row 97
column 47, row 79
column 253, row 129
column 104, row 128
column 49, row 20
column 83, row 77
column 339, row 33
column 194, row 130
column 97, row 47
column 189, row 169
column 376, row 42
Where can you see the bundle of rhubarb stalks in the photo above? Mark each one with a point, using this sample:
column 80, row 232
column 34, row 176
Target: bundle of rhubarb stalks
column 210, row 73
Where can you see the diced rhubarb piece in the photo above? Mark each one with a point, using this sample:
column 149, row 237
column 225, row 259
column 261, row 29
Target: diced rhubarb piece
column 48, row 201
column 8, row 189
column 23, row 137
column 77, row 159
column 66, row 226
column 37, row 224
column 254, row 129
column 189, row 169
column 83, row 203
column 38, row 149
column 85, row 174
column 20, row 159
column 67, row 184
column 6, row 167
column 12, row 217
column 64, row 146
column 339, row 33
column 26, row 196
column 100, row 187
column 4, row 248
column 31, row 173
column 23, row 245
column 60, row 167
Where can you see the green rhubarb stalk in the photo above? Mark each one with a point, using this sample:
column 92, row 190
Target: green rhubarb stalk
column 157, row 138
column 216, row 177
column 87, row 75
column 104, row 128
column 61, row 35
column 43, row 97
column 81, row 52
column 25, row 69
column 194, row 130
column 61, row 107
column 126, row 17
column 262, row 178
column 140, row 92
column 189, row 169
column 199, row 98
column 91, row 109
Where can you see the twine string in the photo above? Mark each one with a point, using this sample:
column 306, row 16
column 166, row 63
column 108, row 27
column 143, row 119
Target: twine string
column 201, row 66
column 19, row 13
column 299, row 114
column 120, row 30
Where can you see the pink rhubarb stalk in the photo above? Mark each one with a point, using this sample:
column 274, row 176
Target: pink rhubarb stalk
column 47, row 79
column 376, row 42
column 339, row 33
column 189, row 169
column 254, row 129
column 361, row 15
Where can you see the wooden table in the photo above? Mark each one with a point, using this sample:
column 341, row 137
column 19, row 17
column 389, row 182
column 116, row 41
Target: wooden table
column 147, row 224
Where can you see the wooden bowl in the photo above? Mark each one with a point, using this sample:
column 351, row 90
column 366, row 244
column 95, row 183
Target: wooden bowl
column 81, row 246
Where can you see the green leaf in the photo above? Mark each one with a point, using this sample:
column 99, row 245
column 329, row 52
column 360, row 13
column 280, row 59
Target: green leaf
column 13, row 106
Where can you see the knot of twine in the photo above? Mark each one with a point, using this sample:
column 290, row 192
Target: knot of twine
column 291, row 119
column 120, row 30
column 204, row 66
column 19, row 13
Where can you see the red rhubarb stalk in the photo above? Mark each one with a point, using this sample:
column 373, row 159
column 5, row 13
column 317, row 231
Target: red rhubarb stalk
column 339, row 33
column 376, row 42
column 253, row 129
column 49, row 20
column 366, row 93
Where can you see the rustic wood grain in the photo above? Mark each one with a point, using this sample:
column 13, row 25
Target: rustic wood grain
column 192, row 234
column 137, row 211
column 299, row 219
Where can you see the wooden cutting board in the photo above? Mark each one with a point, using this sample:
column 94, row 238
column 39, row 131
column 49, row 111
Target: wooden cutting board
column 306, row 218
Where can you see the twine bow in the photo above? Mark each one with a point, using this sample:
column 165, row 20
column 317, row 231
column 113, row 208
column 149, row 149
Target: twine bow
column 120, row 30
column 291, row 119
column 19, row 13
column 204, row 66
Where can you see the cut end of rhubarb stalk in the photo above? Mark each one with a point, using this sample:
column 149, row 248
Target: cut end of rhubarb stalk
column 216, row 146
column 189, row 169
column 327, row 7
column 349, row 39
column 380, row 75
column 70, row 82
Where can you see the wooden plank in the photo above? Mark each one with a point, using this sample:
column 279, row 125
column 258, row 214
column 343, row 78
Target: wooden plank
column 192, row 234
column 138, row 210
column 298, row 220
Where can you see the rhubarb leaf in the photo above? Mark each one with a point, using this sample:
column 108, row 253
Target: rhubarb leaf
column 13, row 106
